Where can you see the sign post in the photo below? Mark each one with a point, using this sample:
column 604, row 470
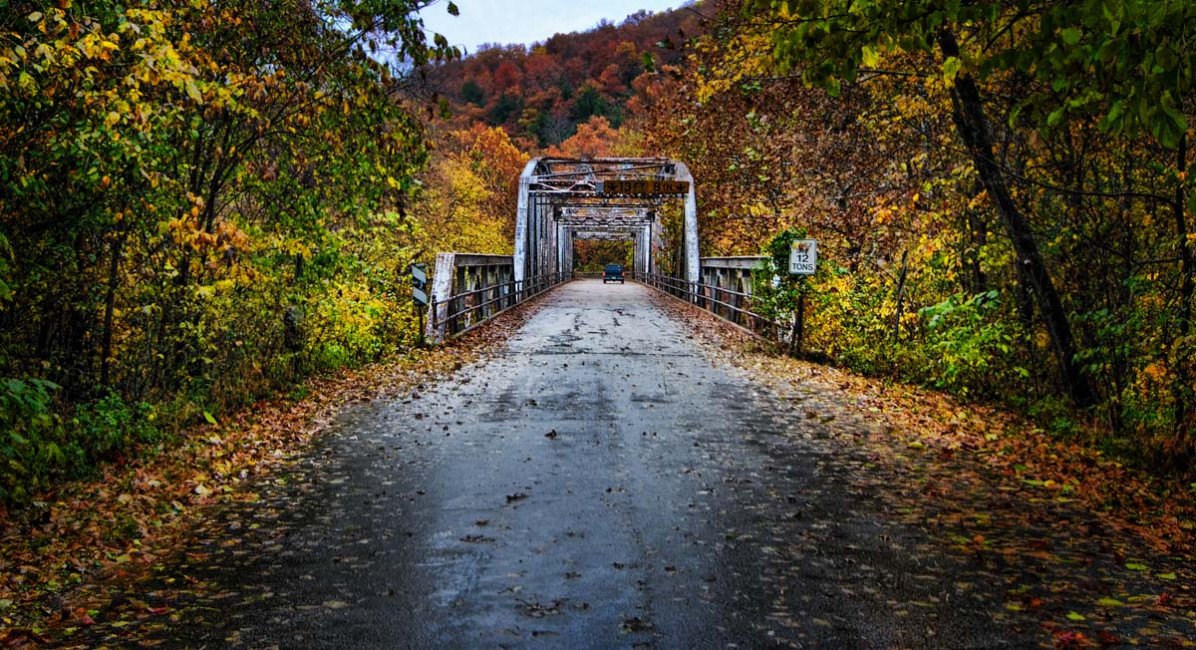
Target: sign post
column 803, row 260
column 419, row 295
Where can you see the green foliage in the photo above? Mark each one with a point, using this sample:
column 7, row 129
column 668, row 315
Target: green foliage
column 1089, row 56
column 471, row 92
column 5, row 256
column 506, row 107
column 851, row 321
column 588, row 103
column 108, row 426
column 29, row 436
column 40, row 446
column 171, row 184
column 775, row 292
column 967, row 345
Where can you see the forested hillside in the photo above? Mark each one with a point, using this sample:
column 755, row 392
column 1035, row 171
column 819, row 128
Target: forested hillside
column 573, row 95
column 539, row 94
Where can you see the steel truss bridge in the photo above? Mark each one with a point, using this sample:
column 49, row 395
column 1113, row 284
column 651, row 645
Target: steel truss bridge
column 563, row 200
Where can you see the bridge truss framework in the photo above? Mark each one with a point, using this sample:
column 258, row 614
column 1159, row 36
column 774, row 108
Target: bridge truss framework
column 562, row 200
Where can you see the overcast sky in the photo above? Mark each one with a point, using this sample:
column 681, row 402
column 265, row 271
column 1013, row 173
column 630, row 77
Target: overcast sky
column 527, row 21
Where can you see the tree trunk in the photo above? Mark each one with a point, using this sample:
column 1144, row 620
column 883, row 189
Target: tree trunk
column 110, row 309
column 1182, row 392
column 972, row 124
column 900, row 296
column 977, row 239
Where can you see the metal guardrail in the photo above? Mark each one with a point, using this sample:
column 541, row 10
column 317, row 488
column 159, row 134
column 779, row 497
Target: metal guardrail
column 724, row 303
column 472, row 308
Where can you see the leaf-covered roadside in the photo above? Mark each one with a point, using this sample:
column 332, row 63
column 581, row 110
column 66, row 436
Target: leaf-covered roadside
column 1002, row 193
column 200, row 203
column 117, row 527
column 1092, row 552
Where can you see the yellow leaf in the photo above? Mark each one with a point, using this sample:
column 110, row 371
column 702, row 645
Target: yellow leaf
column 951, row 68
column 870, row 56
column 193, row 91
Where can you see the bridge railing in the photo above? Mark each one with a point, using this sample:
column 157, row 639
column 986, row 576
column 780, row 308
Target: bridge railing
column 728, row 304
column 463, row 311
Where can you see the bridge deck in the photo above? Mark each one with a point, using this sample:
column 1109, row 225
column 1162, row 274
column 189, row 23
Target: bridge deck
column 600, row 482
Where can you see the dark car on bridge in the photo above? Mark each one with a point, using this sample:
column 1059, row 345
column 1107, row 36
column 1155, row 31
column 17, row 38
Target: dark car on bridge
column 612, row 273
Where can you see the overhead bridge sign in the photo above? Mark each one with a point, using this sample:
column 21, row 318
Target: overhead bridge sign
column 645, row 187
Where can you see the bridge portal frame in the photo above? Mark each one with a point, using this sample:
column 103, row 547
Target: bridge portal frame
column 559, row 201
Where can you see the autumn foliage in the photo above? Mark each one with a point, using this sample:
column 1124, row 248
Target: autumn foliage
column 195, row 214
column 203, row 203
column 198, row 203
column 1002, row 194
column 541, row 94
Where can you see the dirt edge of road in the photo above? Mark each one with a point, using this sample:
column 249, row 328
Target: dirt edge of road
column 59, row 556
column 992, row 487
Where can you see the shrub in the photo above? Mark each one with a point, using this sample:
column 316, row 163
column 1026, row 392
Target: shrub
column 29, row 435
column 966, row 340
column 110, row 425
column 38, row 446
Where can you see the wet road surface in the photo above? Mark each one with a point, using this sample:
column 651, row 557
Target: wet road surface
column 599, row 482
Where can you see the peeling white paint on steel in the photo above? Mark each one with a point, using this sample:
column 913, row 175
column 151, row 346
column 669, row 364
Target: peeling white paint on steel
column 521, row 216
column 692, row 269
column 442, row 287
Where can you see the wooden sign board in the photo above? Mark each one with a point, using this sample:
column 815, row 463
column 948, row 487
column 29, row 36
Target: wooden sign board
column 645, row 187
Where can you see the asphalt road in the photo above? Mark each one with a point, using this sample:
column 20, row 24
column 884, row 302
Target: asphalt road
column 599, row 483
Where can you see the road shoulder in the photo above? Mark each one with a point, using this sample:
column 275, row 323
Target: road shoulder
column 62, row 559
column 1090, row 551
